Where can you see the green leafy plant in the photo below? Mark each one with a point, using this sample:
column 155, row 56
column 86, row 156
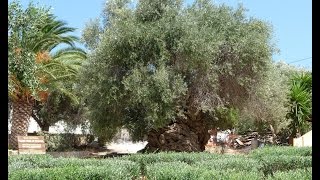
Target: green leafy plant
column 290, row 163
column 300, row 103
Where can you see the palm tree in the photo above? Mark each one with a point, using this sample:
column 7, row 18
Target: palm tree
column 34, row 70
column 62, row 100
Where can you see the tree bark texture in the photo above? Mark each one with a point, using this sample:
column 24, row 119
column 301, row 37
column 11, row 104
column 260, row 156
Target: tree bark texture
column 20, row 121
column 188, row 135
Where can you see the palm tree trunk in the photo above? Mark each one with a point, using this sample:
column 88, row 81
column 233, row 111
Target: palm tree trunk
column 22, row 110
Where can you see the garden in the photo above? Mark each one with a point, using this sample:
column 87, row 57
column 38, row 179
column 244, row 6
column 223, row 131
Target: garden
column 172, row 75
column 272, row 162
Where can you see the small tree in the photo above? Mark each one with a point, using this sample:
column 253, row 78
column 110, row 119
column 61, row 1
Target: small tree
column 267, row 105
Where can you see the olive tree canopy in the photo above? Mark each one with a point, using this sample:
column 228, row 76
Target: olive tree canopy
column 161, row 69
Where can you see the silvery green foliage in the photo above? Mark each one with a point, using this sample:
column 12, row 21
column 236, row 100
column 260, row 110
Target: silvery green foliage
column 91, row 34
column 264, row 163
column 269, row 102
column 159, row 61
column 282, row 151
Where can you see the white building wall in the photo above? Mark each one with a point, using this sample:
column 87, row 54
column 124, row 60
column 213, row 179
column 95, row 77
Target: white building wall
column 305, row 140
column 59, row 127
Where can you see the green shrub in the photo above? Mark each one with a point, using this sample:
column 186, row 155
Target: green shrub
column 235, row 163
column 230, row 175
column 172, row 171
column 111, row 169
column 282, row 150
column 272, row 164
column 188, row 158
column 21, row 165
column 28, row 161
column 28, row 158
column 289, row 163
column 67, row 141
column 297, row 174
column 183, row 171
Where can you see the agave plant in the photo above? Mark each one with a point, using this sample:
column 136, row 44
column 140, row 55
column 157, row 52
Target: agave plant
column 300, row 103
column 34, row 70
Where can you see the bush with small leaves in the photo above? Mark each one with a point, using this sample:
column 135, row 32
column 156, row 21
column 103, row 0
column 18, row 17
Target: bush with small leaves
column 188, row 158
column 74, row 172
column 235, row 163
column 297, row 174
column 282, row 150
column 172, row 170
column 284, row 163
column 287, row 163
column 26, row 167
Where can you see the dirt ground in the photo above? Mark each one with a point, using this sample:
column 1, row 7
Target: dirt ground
column 111, row 149
column 131, row 148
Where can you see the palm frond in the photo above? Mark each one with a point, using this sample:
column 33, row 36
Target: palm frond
column 73, row 51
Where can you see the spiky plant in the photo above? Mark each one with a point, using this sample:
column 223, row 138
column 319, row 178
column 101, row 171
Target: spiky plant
column 300, row 103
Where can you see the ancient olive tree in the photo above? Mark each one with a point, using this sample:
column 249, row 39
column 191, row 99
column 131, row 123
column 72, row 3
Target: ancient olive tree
column 162, row 69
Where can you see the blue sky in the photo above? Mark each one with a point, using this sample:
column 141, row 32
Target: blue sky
column 291, row 21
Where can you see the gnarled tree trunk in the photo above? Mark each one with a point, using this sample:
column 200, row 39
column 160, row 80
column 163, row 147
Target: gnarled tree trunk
column 184, row 135
column 22, row 110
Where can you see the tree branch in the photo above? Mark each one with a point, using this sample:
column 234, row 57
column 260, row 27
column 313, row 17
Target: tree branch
column 35, row 117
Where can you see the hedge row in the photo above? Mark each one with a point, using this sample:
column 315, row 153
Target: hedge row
column 284, row 163
column 158, row 171
column 282, row 150
column 184, row 171
column 23, row 162
column 188, row 158
column 80, row 173
column 288, row 164
column 297, row 174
